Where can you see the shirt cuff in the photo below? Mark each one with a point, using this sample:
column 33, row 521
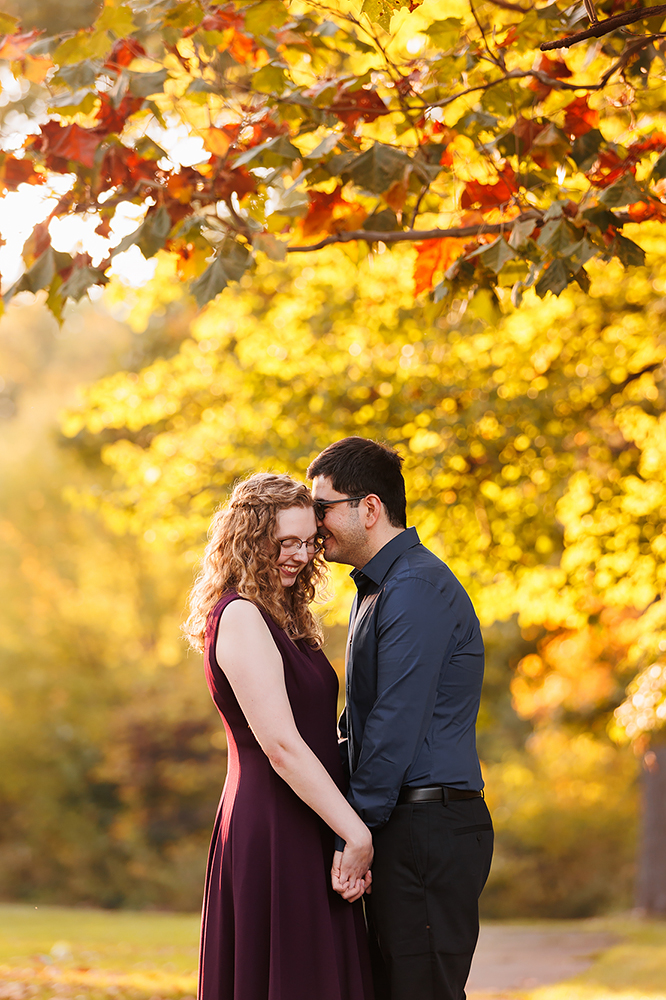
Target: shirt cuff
column 339, row 843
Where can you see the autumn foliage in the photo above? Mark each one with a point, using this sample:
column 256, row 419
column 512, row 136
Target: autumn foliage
column 378, row 124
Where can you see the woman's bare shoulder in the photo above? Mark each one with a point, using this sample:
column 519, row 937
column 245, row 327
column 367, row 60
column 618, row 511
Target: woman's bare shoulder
column 242, row 614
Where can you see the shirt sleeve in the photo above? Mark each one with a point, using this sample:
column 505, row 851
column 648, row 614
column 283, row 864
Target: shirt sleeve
column 415, row 635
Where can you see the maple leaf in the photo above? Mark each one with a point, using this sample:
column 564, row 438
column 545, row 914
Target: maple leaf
column 579, row 118
column 230, row 181
column 607, row 168
column 433, row 256
column 64, row 143
column 354, row 106
column 112, row 119
column 490, row 195
column 331, row 213
column 123, row 53
column 217, row 140
column 555, row 68
column 15, row 46
column 14, row 172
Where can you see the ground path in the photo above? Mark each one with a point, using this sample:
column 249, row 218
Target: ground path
column 522, row 956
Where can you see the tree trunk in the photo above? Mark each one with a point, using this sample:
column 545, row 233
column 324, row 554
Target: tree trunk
column 651, row 883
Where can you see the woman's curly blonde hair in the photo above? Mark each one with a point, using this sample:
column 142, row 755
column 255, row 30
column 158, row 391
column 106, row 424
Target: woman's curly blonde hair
column 241, row 556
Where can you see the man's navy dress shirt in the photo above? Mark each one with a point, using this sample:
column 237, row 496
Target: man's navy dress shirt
column 414, row 674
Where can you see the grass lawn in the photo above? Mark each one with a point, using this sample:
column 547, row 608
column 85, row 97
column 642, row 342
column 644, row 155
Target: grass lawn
column 633, row 969
column 84, row 954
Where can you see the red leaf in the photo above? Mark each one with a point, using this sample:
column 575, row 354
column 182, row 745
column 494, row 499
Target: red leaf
column 112, row 119
column 123, row 52
column 123, row 167
column 555, row 68
column 63, row 143
column 490, row 195
column 434, row 256
column 14, row 172
column 579, row 118
column 331, row 213
column 229, row 181
column 358, row 105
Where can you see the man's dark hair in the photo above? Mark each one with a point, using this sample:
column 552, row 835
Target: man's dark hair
column 357, row 466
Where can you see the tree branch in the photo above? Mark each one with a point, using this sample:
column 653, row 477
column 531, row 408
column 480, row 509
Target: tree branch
column 605, row 27
column 414, row 235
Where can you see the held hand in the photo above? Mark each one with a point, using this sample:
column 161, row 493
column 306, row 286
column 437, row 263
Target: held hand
column 349, row 891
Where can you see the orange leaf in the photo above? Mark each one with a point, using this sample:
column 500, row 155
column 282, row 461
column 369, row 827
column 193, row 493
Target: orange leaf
column 14, row 46
column 216, row 140
column 579, row 118
column 396, row 195
column 35, row 70
column 14, row 172
column 641, row 211
column 330, row 213
column 490, row 195
column 434, row 256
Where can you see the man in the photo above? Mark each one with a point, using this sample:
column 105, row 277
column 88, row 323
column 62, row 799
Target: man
column 414, row 672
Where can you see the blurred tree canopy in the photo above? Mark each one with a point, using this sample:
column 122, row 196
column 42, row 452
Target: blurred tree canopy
column 534, row 448
column 511, row 142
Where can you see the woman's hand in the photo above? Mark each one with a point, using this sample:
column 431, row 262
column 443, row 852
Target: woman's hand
column 350, row 873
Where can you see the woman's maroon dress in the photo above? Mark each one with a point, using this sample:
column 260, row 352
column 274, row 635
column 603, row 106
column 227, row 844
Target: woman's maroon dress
column 273, row 928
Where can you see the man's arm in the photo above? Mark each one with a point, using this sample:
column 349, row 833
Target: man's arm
column 415, row 641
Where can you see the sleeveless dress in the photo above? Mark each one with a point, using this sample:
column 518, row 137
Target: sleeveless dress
column 273, row 928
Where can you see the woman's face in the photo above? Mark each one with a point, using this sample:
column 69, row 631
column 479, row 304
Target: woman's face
column 293, row 526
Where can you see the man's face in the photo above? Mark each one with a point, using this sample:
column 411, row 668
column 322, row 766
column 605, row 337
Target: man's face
column 341, row 528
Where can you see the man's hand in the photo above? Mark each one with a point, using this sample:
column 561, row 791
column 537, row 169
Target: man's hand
column 350, row 888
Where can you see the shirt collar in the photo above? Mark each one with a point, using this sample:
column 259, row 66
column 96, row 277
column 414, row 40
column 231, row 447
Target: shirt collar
column 377, row 567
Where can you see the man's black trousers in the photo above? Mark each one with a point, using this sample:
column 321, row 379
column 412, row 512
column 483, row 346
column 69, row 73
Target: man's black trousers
column 431, row 863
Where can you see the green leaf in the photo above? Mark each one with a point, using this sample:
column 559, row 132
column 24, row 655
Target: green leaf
column 599, row 218
column 80, row 280
column 381, row 11
column 554, row 279
column 292, row 202
column 558, row 237
column 521, row 232
column 185, row 15
column 71, row 103
column 495, row 255
column 119, row 20
column 80, row 75
column 377, row 168
column 269, row 79
column 585, row 148
column 42, row 272
column 8, row 24
column 385, row 221
column 261, row 17
column 146, row 84
column 150, row 236
column 445, row 34
column 273, row 248
column 229, row 265
column 272, row 153
column 629, row 253
column 625, row 191
column 83, row 46
column 581, row 253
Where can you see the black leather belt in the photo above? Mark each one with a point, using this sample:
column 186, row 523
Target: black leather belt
column 435, row 793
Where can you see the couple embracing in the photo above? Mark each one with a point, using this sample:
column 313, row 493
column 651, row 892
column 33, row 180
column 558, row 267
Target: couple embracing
column 308, row 824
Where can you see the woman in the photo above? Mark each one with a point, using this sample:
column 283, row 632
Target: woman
column 273, row 928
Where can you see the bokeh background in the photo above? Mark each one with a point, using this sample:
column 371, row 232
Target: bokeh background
column 535, row 458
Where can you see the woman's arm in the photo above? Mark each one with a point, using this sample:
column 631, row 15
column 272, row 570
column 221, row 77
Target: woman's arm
column 247, row 654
